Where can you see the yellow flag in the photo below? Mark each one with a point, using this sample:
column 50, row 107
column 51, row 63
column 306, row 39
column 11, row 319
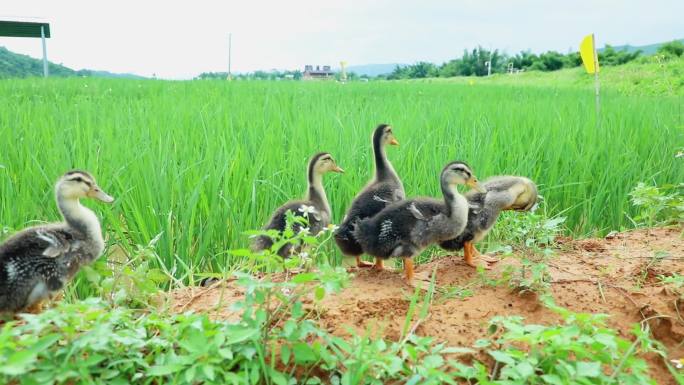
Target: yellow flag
column 587, row 50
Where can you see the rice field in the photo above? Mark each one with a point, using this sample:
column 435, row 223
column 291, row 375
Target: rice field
column 197, row 163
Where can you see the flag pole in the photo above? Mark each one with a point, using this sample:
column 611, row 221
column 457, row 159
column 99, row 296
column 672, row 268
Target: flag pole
column 597, row 84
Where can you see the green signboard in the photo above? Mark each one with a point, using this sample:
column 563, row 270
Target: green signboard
column 23, row 29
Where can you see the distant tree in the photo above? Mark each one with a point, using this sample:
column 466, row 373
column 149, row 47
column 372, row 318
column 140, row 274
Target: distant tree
column 673, row 48
column 609, row 56
column 551, row 60
column 450, row 68
column 422, row 70
column 399, row 72
column 524, row 60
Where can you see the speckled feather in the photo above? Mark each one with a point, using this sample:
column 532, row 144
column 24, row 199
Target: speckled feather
column 368, row 203
column 405, row 228
column 38, row 261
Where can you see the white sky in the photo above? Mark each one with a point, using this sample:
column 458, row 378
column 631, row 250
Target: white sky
column 180, row 39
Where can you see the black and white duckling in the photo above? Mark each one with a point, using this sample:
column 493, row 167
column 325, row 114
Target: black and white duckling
column 315, row 206
column 503, row 193
column 37, row 262
column 385, row 188
column 404, row 229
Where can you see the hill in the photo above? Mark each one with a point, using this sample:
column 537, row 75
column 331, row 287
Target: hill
column 14, row 65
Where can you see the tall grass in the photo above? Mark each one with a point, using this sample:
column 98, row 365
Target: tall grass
column 203, row 161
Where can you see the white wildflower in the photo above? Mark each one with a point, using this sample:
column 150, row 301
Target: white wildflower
column 678, row 363
column 286, row 291
column 304, row 255
column 306, row 209
column 331, row 227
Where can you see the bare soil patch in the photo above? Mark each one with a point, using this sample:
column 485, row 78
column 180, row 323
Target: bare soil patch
column 617, row 275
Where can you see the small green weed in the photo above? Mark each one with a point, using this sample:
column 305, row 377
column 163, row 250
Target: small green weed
column 658, row 205
column 581, row 350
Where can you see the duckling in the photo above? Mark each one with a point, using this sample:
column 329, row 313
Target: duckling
column 315, row 206
column 37, row 262
column 383, row 189
column 503, row 193
column 404, row 229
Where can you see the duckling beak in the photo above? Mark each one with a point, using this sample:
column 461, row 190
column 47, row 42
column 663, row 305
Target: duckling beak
column 474, row 184
column 338, row 169
column 393, row 141
column 97, row 193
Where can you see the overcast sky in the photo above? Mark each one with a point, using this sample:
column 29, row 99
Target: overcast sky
column 180, row 39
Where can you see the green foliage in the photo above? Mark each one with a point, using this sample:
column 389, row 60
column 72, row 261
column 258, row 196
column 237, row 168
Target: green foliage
column 658, row 205
column 275, row 341
column 473, row 63
column 673, row 48
column 536, row 230
column 610, row 57
column 581, row 350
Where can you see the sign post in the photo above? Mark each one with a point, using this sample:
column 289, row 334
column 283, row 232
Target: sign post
column 28, row 29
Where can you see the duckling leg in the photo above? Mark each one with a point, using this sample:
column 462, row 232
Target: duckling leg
column 379, row 265
column 469, row 252
column 408, row 269
column 361, row 263
column 35, row 308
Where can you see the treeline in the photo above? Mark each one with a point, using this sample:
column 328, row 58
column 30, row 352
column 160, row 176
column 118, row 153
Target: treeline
column 267, row 75
column 476, row 62
column 260, row 75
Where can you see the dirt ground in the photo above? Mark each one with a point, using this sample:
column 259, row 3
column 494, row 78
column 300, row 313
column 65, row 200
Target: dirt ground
column 616, row 276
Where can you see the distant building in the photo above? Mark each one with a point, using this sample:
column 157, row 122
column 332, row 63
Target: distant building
column 320, row 72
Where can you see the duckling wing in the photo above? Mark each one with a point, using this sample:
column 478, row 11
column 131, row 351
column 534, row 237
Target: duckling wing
column 48, row 241
column 372, row 200
column 433, row 224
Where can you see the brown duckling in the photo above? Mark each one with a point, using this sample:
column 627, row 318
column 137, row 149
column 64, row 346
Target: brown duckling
column 37, row 262
column 314, row 206
column 404, row 229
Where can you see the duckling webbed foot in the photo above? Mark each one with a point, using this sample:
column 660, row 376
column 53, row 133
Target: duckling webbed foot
column 36, row 308
column 475, row 259
column 360, row 263
column 416, row 280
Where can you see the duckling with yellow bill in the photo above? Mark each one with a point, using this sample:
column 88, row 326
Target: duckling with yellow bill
column 404, row 229
column 384, row 189
column 37, row 262
column 314, row 206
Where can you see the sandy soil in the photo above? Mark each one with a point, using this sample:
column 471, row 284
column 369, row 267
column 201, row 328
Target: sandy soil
column 615, row 276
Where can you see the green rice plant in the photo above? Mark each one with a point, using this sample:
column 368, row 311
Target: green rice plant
column 201, row 162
